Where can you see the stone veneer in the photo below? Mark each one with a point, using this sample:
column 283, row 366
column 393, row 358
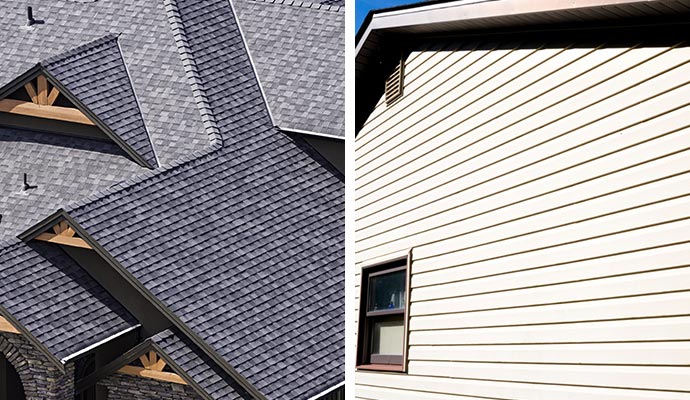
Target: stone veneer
column 41, row 379
column 127, row 387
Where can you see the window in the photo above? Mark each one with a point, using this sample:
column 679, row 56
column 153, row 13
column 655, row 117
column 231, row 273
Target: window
column 383, row 316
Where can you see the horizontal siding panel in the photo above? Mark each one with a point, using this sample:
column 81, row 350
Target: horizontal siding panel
column 635, row 330
column 484, row 177
column 630, row 285
column 647, row 306
column 475, row 209
column 633, row 377
column 672, row 353
column 526, row 254
column 588, row 87
column 570, row 63
column 443, row 283
column 545, row 194
column 502, row 390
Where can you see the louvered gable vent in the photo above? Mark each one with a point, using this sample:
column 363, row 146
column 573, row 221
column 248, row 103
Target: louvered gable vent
column 394, row 83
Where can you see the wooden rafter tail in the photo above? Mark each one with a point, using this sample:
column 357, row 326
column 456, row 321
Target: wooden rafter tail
column 64, row 240
column 6, row 326
column 54, row 93
column 42, row 90
column 153, row 374
column 31, row 92
column 144, row 360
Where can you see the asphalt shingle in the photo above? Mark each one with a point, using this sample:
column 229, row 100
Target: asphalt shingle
column 96, row 75
column 55, row 299
column 299, row 52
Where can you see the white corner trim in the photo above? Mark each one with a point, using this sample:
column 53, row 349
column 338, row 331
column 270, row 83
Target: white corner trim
column 93, row 346
column 327, row 391
column 251, row 61
column 311, row 133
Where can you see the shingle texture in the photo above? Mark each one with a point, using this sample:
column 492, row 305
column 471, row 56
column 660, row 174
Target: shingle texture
column 198, row 365
column 96, row 75
column 244, row 244
column 55, row 299
column 148, row 48
column 63, row 168
column 299, row 53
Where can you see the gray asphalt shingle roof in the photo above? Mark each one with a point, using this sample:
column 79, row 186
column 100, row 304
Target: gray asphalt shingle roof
column 299, row 52
column 243, row 242
column 64, row 169
column 96, row 75
column 198, row 365
column 148, row 48
column 55, row 299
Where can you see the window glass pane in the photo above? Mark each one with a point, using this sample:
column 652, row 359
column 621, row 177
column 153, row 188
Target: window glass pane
column 387, row 292
column 387, row 337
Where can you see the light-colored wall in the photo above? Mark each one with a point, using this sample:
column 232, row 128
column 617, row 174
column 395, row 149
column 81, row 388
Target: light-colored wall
column 546, row 194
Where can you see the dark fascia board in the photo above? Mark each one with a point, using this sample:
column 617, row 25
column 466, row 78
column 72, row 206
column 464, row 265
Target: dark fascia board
column 231, row 371
column 32, row 339
column 131, row 355
column 42, row 225
column 39, row 69
column 112, row 135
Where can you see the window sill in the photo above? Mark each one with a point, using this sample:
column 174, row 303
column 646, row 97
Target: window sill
column 380, row 367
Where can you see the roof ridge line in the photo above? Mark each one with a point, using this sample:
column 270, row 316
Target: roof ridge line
column 304, row 4
column 192, row 71
column 76, row 50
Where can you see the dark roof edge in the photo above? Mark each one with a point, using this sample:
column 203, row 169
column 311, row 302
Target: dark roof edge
column 131, row 355
column 112, row 135
column 230, row 370
column 40, row 69
column 43, row 349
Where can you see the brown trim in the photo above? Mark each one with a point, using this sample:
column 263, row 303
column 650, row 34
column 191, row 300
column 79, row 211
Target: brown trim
column 406, row 318
column 380, row 367
column 365, row 360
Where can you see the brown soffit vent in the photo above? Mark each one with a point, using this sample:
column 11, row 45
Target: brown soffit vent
column 394, row 83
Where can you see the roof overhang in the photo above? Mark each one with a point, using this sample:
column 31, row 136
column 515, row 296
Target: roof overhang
column 386, row 30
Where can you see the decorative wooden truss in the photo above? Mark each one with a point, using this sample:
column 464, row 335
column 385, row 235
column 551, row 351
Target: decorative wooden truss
column 152, row 368
column 41, row 104
column 63, row 234
column 6, row 326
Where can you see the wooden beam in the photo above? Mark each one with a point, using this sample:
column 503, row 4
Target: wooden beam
column 44, row 111
column 152, row 359
column 54, row 93
column 152, row 374
column 159, row 365
column 6, row 326
column 31, row 92
column 144, row 360
column 65, row 240
column 42, row 90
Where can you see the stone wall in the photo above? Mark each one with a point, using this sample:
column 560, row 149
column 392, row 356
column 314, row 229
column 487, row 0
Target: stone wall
column 41, row 379
column 127, row 387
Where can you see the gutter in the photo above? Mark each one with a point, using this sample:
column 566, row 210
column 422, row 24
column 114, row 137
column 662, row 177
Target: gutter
column 93, row 346
column 311, row 133
column 327, row 391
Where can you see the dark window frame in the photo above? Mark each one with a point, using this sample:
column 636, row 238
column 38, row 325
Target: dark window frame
column 365, row 359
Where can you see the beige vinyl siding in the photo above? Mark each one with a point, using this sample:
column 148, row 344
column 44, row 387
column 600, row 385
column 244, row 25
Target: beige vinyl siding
column 545, row 191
